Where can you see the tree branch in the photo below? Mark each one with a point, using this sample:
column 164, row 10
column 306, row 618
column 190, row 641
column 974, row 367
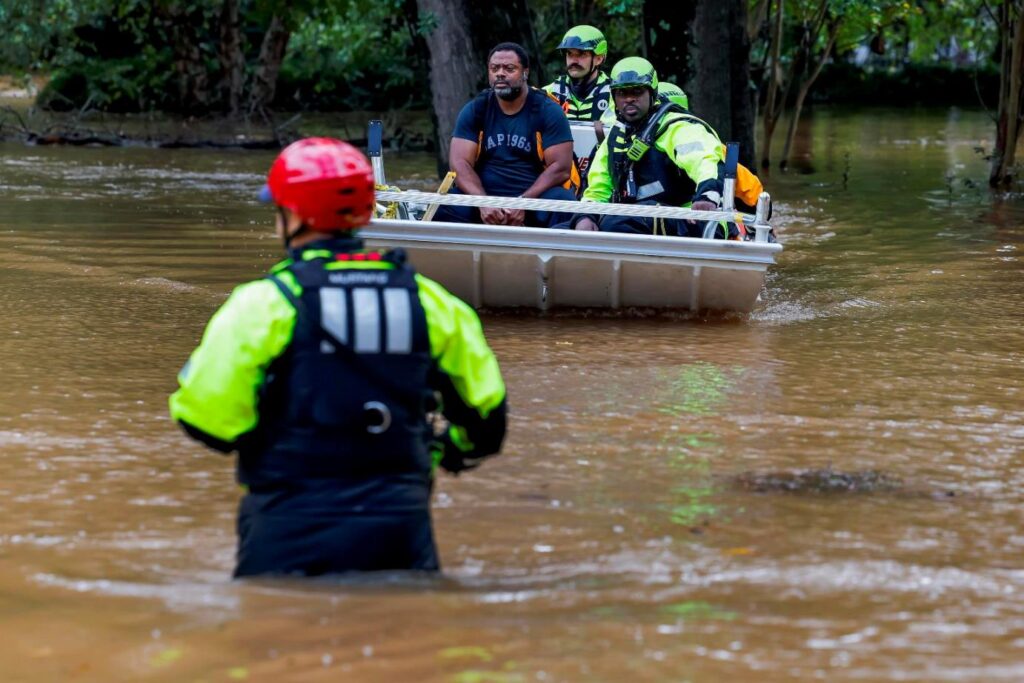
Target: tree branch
column 756, row 18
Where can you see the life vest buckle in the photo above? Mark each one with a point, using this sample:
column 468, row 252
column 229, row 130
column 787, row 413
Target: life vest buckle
column 377, row 417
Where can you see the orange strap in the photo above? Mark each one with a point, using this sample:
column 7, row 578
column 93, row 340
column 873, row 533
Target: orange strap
column 574, row 182
column 748, row 186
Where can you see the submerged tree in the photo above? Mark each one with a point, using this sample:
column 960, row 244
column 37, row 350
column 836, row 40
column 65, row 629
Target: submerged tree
column 454, row 69
column 723, row 93
column 1011, row 80
column 817, row 39
column 803, row 37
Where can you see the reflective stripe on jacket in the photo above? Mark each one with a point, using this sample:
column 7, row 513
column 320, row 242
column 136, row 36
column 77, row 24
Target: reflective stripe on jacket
column 683, row 144
column 592, row 107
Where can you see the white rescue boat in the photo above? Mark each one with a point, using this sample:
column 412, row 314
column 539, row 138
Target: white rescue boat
column 509, row 267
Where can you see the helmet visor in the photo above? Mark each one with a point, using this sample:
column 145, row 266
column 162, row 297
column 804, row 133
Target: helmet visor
column 629, row 79
column 577, row 43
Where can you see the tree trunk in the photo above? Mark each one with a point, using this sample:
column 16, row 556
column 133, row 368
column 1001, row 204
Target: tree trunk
column 805, row 88
column 743, row 94
column 712, row 96
column 773, row 102
column 193, row 81
column 232, row 59
column 272, row 51
column 454, row 68
column 1004, row 157
column 669, row 35
column 722, row 95
column 756, row 18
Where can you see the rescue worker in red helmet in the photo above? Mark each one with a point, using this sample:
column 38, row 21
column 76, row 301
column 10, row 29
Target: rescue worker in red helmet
column 321, row 376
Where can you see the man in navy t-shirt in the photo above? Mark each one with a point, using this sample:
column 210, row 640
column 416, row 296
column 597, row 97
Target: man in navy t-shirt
column 510, row 141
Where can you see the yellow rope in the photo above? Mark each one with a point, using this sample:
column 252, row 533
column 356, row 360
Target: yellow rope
column 390, row 210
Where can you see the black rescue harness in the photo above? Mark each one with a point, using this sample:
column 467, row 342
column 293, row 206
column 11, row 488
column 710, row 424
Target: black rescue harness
column 331, row 406
column 639, row 176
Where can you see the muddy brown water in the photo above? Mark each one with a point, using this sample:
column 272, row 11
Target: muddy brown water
column 610, row 541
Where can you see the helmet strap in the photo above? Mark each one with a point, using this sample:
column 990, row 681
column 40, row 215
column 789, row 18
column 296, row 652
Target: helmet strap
column 286, row 237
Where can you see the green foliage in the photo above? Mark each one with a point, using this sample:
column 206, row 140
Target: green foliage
column 616, row 8
column 124, row 85
column 365, row 54
column 936, row 25
column 341, row 53
column 357, row 57
column 918, row 29
column 35, row 30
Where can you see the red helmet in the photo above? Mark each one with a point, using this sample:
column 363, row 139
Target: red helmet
column 326, row 182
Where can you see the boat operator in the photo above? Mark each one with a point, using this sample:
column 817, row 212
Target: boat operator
column 321, row 376
column 584, row 89
column 654, row 154
column 510, row 141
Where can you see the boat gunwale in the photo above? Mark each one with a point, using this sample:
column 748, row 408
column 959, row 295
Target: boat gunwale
column 582, row 244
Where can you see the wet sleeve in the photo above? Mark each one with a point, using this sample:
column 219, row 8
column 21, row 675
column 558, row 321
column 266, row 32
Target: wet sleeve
column 698, row 153
column 556, row 126
column 599, row 179
column 466, row 126
column 216, row 401
column 466, row 375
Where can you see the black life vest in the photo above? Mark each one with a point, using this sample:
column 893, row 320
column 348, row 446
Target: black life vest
column 592, row 107
column 654, row 178
column 349, row 396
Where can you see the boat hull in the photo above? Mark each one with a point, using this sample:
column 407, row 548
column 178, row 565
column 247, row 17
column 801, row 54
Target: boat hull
column 503, row 267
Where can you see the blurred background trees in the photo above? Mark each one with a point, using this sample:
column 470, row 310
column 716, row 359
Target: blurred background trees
column 742, row 61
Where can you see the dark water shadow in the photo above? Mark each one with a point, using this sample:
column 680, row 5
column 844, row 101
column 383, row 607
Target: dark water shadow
column 828, row 481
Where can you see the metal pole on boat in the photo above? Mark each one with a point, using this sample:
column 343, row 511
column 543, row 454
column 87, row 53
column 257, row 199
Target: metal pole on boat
column 761, row 227
column 732, row 160
column 374, row 150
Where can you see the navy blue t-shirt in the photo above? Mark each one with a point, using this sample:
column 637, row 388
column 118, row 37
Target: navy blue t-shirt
column 509, row 163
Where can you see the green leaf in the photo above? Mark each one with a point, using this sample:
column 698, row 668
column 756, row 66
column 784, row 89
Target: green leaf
column 698, row 610
column 167, row 657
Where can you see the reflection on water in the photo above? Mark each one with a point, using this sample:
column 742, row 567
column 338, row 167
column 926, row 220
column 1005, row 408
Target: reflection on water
column 611, row 541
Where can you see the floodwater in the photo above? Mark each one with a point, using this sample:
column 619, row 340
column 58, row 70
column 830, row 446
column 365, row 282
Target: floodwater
column 653, row 517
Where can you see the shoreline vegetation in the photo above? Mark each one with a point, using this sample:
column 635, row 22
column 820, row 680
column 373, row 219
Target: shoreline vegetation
column 22, row 121
column 273, row 67
column 406, row 130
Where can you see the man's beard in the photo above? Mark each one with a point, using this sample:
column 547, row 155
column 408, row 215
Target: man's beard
column 508, row 92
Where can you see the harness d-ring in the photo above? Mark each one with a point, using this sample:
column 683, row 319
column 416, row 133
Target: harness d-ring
column 381, row 412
